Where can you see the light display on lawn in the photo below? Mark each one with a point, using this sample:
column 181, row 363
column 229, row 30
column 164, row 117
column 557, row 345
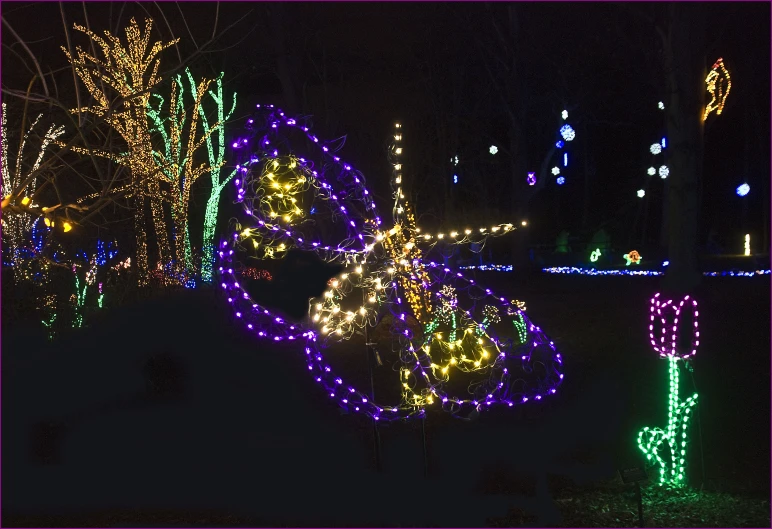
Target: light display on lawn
column 742, row 190
column 667, row 448
column 443, row 326
column 632, row 258
column 747, row 244
column 595, row 255
column 718, row 84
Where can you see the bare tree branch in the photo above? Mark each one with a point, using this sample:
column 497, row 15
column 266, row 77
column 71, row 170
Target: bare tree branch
column 32, row 55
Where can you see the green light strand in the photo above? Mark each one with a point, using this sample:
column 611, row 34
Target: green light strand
column 80, row 298
column 650, row 440
column 216, row 160
column 49, row 325
column 520, row 326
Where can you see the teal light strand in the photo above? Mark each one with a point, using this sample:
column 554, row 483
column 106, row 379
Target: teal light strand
column 216, row 161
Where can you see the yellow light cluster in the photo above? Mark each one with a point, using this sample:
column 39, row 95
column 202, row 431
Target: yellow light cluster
column 279, row 200
column 718, row 84
column 408, row 262
column 327, row 313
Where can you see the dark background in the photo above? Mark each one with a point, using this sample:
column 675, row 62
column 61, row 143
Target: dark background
column 443, row 69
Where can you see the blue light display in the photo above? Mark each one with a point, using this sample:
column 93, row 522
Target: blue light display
column 595, row 272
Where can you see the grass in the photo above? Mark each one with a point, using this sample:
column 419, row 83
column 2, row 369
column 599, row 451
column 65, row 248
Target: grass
column 613, row 504
column 563, row 456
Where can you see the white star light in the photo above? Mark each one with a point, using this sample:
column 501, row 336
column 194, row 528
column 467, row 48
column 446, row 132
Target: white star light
column 655, row 148
column 493, row 149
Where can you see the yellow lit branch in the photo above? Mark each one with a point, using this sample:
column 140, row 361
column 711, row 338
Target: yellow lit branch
column 130, row 71
column 19, row 187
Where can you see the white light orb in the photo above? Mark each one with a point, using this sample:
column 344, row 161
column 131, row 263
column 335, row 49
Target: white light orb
column 664, row 172
column 493, row 149
column 567, row 132
column 556, row 170
column 651, row 171
column 655, row 148
column 641, row 193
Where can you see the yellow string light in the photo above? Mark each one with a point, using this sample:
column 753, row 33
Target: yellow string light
column 279, row 193
column 132, row 72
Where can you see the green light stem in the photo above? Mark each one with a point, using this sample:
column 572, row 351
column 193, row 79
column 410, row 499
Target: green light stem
column 651, row 439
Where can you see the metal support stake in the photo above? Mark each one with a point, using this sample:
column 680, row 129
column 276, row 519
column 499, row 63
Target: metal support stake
column 640, row 503
column 423, row 438
column 369, row 352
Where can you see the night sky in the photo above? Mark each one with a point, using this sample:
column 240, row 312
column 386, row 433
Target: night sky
column 358, row 67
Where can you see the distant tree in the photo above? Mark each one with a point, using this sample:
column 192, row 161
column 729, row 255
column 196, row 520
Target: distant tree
column 21, row 183
column 683, row 41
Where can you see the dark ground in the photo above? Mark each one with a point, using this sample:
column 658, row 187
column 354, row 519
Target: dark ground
column 232, row 431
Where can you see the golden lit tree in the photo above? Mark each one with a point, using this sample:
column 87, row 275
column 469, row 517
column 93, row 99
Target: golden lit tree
column 181, row 141
column 131, row 72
